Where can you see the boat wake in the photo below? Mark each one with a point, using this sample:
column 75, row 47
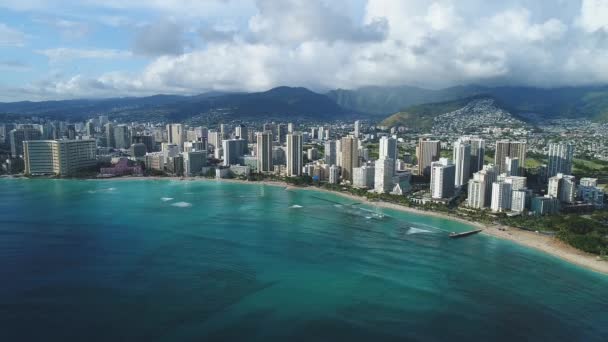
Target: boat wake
column 295, row 206
column 166, row 199
column 414, row 230
column 182, row 204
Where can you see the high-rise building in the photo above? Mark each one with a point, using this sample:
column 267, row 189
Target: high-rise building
column 264, row 151
column 388, row 149
column 190, row 146
column 334, row 174
column 176, row 134
column 147, row 140
column 511, row 166
column 321, row 133
column 518, row 200
column 427, row 152
column 363, row 177
column 478, row 153
column 137, row 150
column 562, row 187
column 330, row 152
column 589, row 192
column 215, row 138
column 350, row 157
column 194, row 162
column 90, row 128
column 517, row 182
column 383, row 179
column 312, row 153
column 560, row 159
column 223, row 132
column 443, row 173
column 58, row 157
column 281, row 133
column 488, row 176
column 71, row 132
column 234, row 150
column 357, row 128
column 544, row 205
column 477, row 194
column 121, row 137
column 201, row 133
column 294, row 154
column 109, row 133
column 462, row 161
column 290, row 127
column 240, row 131
column 512, row 149
column 501, row 197
column 18, row 136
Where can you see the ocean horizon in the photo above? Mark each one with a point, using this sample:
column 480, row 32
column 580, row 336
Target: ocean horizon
column 143, row 260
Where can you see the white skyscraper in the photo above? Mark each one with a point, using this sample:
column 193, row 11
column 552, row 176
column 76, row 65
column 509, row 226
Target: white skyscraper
column 443, row 173
column 264, row 151
column 501, row 197
column 59, row 157
column 488, row 175
column 214, row 139
column 383, row 179
column 518, row 200
column 477, row 194
column 334, row 174
column 194, row 162
column 233, row 150
column 511, row 166
column 462, row 161
column 517, row 182
column 242, row 132
column 330, row 152
column 364, row 176
column 560, row 159
column 294, row 154
column 357, row 128
column 562, row 187
column 176, row 135
column 388, row 149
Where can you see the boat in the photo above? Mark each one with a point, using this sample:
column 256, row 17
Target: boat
column 455, row 235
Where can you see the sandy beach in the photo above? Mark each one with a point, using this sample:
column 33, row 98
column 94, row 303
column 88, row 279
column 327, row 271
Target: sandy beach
column 543, row 243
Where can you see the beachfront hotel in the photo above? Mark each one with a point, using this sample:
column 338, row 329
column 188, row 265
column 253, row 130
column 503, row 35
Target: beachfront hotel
column 58, row 157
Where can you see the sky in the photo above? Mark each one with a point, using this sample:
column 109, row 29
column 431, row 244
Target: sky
column 54, row 49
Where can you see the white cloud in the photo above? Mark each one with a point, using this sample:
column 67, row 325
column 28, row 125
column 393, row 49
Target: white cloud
column 59, row 55
column 10, row 36
column 14, row 65
column 324, row 44
column 594, row 15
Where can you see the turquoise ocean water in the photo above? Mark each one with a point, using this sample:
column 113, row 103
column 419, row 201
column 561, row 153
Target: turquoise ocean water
column 191, row 261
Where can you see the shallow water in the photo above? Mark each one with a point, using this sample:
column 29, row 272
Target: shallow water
column 178, row 260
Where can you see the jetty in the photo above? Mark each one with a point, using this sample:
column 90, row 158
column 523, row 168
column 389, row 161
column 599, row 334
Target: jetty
column 454, row 235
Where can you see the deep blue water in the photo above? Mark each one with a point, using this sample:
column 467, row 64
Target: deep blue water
column 113, row 261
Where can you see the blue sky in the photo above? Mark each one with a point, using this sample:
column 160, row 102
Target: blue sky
column 58, row 49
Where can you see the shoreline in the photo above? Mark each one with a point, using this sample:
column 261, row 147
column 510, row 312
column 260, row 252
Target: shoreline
column 543, row 243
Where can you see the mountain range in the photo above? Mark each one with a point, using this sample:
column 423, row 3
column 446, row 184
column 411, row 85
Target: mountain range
column 294, row 103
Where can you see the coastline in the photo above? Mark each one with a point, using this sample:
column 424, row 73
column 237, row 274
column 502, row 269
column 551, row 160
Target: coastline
column 543, row 243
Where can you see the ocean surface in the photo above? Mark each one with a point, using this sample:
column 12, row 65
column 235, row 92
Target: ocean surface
column 144, row 260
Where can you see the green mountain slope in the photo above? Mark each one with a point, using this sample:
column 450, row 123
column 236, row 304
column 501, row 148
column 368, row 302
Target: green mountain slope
column 566, row 102
column 420, row 117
